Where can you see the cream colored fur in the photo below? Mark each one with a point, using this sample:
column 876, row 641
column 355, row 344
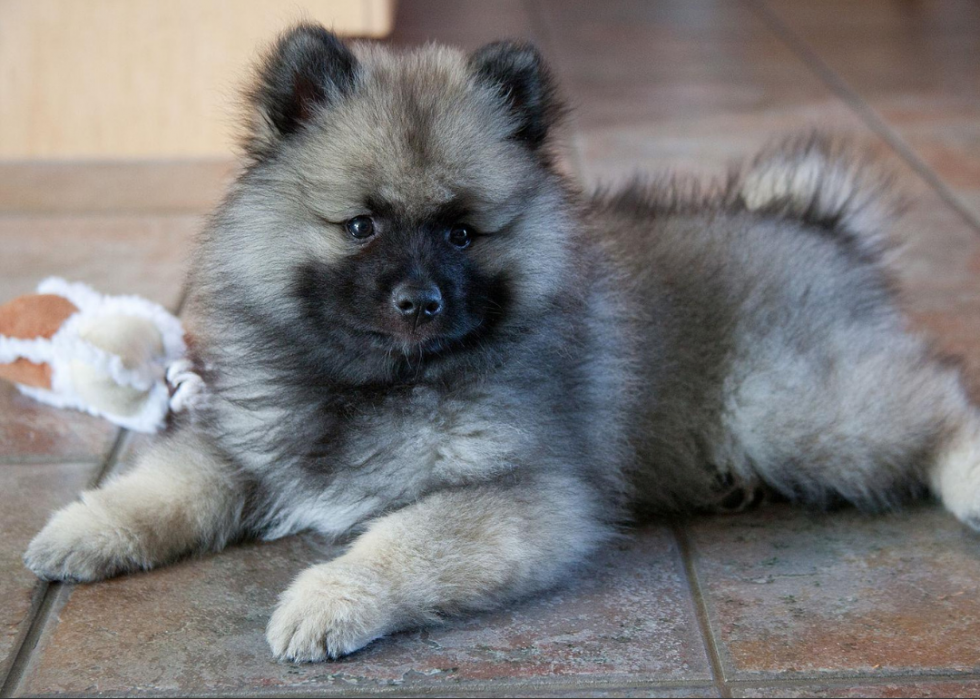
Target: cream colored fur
column 179, row 498
column 453, row 551
column 955, row 479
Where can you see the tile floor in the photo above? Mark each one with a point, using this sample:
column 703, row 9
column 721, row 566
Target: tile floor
column 771, row 603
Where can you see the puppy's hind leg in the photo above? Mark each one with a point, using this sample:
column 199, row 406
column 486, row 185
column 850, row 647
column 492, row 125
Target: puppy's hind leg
column 955, row 475
column 885, row 422
column 181, row 497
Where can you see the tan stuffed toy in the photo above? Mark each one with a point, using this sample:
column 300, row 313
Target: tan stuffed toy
column 71, row 347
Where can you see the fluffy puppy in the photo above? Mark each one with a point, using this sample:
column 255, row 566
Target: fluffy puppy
column 418, row 331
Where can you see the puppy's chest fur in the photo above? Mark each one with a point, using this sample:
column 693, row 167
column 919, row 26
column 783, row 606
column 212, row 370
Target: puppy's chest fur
column 330, row 462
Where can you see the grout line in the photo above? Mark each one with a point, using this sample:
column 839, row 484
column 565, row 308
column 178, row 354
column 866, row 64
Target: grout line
column 38, row 596
column 52, row 596
column 725, row 685
column 542, row 32
column 55, row 595
column 111, row 458
column 701, row 609
column 864, row 111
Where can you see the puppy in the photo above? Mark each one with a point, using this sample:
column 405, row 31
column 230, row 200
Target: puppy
column 417, row 330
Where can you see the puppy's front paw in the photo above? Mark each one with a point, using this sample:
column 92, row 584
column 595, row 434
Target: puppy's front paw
column 82, row 543
column 328, row 612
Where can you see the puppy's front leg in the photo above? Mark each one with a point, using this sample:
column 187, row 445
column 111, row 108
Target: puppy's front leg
column 451, row 552
column 180, row 497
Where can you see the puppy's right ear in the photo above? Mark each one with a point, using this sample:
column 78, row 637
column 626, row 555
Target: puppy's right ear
column 308, row 69
column 523, row 84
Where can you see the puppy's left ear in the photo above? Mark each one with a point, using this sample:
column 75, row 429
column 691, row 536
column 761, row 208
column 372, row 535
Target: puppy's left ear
column 524, row 84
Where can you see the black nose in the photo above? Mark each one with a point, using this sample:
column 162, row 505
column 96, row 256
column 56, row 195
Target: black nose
column 421, row 302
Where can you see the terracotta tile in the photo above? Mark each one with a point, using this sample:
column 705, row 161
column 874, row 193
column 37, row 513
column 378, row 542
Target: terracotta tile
column 464, row 23
column 655, row 103
column 945, row 17
column 130, row 254
column 704, row 145
column 908, row 688
column 945, row 133
column 31, row 432
column 668, row 63
column 938, row 267
column 876, row 63
column 200, row 627
column 652, row 95
column 795, row 594
column 939, row 255
column 628, row 53
column 28, row 494
column 577, row 689
column 916, row 66
column 655, row 691
column 112, row 187
column 714, row 21
column 591, row 690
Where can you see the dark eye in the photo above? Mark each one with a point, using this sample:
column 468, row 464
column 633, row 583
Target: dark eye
column 360, row 227
column 460, row 236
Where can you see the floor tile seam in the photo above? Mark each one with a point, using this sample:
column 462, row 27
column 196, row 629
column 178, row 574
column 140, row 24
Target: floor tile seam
column 864, row 111
column 712, row 643
column 732, row 678
column 52, row 596
column 38, row 596
column 541, row 30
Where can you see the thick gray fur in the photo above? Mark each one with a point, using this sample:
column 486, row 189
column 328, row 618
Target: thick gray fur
column 662, row 347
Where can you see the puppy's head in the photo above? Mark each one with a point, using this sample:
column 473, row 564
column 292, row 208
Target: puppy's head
column 397, row 204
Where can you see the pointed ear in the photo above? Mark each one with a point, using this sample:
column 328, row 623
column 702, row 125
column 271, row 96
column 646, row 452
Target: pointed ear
column 524, row 84
column 307, row 69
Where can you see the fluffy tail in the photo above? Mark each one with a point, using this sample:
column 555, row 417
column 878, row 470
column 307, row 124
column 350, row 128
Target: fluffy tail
column 824, row 183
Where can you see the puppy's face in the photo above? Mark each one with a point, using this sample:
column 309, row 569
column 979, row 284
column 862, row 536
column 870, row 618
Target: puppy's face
column 398, row 205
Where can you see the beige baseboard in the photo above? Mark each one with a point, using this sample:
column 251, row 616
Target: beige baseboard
column 140, row 79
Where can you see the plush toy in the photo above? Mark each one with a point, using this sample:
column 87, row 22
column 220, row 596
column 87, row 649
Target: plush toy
column 120, row 357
